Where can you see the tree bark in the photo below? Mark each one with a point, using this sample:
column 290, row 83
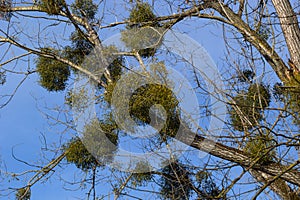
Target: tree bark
column 275, row 61
column 290, row 28
column 279, row 186
column 240, row 157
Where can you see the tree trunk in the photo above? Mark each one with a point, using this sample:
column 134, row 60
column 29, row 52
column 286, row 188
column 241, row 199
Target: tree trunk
column 290, row 28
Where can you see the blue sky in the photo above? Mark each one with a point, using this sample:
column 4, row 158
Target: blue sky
column 22, row 121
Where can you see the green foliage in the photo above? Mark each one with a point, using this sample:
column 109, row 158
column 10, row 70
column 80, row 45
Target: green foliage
column 278, row 91
column 142, row 12
column 115, row 68
column 149, row 95
column 146, row 98
column 140, row 179
column 154, row 94
column 207, row 187
column 109, row 91
column 140, row 34
column 81, row 43
column 84, row 8
column 53, row 73
column 79, row 155
column 201, row 175
column 294, row 106
column 52, row 7
column 294, row 95
column 246, row 114
column 81, row 46
column 259, row 94
column 96, row 148
column 145, row 40
column 101, row 138
column 260, row 146
column 79, row 49
column 23, row 194
column 290, row 94
column 175, row 182
column 243, row 116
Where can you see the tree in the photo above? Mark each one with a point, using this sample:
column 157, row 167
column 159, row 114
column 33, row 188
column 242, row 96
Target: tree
column 255, row 152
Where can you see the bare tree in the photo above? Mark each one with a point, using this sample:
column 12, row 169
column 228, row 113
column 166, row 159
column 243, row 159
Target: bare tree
column 260, row 73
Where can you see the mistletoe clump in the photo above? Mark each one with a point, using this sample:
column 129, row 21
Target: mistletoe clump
column 247, row 108
column 80, row 47
column 84, row 8
column 97, row 146
column 52, row 7
column 144, row 175
column 54, row 74
column 79, row 155
column 154, row 94
column 289, row 93
column 142, row 34
column 142, row 12
column 260, row 147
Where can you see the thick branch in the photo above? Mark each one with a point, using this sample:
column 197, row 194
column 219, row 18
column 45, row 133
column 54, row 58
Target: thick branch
column 237, row 156
column 250, row 35
column 290, row 28
column 275, row 183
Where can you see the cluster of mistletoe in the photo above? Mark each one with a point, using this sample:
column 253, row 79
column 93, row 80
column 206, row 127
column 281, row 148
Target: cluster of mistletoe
column 143, row 33
column 101, row 137
column 289, row 93
column 54, row 73
column 249, row 104
column 246, row 111
column 177, row 183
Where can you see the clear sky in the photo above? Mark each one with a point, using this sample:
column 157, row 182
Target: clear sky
column 23, row 121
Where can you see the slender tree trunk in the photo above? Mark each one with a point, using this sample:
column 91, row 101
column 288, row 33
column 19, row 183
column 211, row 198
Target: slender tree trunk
column 290, row 28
